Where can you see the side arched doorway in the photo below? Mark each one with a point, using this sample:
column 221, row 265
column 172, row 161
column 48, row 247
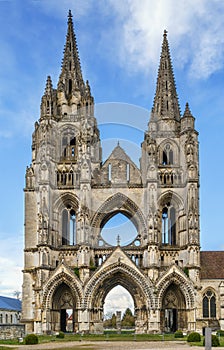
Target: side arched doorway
column 173, row 314
column 63, row 311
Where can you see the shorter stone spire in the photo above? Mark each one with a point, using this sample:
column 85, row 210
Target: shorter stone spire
column 165, row 104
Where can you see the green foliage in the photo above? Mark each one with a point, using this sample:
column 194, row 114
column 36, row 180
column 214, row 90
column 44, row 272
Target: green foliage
column 194, row 337
column 31, row 339
column 60, row 335
column 76, row 270
column 128, row 319
column 178, row 334
column 220, row 333
column 110, row 322
column 186, row 271
column 215, row 341
column 92, row 266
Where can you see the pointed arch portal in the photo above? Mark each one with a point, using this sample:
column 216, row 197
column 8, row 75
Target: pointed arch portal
column 63, row 309
column 119, row 274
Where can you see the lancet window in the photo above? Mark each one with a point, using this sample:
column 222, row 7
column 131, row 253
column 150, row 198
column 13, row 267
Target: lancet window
column 168, row 225
column 209, row 304
column 167, row 155
column 68, row 227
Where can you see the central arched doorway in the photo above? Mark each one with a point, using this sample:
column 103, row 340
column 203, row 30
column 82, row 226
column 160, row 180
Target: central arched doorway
column 173, row 313
column 63, row 312
column 119, row 274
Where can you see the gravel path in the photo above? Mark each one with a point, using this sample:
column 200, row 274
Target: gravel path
column 118, row 345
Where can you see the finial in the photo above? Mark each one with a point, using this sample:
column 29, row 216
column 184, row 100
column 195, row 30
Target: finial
column 69, row 14
column 118, row 143
column 165, row 33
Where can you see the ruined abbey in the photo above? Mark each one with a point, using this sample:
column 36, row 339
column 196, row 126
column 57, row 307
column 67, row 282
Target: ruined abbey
column 71, row 194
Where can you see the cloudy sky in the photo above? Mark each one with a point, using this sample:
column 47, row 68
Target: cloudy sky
column 119, row 44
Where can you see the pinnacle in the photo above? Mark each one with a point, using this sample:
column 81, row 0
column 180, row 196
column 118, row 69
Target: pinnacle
column 48, row 87
column 187, row 112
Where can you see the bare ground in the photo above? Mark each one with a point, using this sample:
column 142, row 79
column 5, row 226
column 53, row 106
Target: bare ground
column 118, row 345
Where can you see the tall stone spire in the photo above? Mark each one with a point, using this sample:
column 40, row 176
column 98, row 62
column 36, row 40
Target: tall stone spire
column 71, row 79
column 165, row 104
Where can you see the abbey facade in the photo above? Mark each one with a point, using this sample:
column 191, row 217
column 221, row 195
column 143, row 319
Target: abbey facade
column 70, row 195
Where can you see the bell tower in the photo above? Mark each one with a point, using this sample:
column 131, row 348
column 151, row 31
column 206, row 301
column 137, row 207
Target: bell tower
column 170, row 170
column 65, row 152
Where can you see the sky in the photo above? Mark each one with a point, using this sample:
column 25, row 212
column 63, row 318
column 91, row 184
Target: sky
column 119, row 45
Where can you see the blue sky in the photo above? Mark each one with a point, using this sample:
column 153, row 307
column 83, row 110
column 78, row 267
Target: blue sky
column 119, row 44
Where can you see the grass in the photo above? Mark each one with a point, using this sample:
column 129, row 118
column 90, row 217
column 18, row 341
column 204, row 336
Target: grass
column 109, row 336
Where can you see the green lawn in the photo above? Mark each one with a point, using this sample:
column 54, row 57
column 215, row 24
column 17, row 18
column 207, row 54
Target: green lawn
column 108, row 336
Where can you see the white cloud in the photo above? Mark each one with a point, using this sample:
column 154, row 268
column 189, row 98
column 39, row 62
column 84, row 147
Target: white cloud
column 118, row 299
column 194, row 27
column 11, row 261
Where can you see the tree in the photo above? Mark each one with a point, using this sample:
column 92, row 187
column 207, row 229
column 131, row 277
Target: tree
column 110, row 322
column 128, row 319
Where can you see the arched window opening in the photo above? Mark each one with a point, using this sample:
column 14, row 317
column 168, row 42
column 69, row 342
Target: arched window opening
column 116, row 314
column 167, row 155
column 171, row 157
column 209, row 305
column 165, row 226
column 6, row 318
column 70, row 65
column 73, row 226
column 167, row 105
column 119, row 230
column 1, row 318
column 169, row 225
column 109, row 171
column 11, row 318
column 44, row 259
column 70, row 86
column 165, row 159
column 73, row 151
column 172, row 226
column 65, row 238
column 68, row 227
column 69, row 146
column 128, row 172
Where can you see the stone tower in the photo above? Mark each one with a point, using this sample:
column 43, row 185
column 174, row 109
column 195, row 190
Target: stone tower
column 70, row 195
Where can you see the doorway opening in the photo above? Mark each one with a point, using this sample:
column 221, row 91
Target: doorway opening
column 119, row 310
column 171, row 318
column 66, row 320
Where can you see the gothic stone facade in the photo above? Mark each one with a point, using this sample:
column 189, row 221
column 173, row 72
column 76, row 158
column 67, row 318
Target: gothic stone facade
column 70, row 194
